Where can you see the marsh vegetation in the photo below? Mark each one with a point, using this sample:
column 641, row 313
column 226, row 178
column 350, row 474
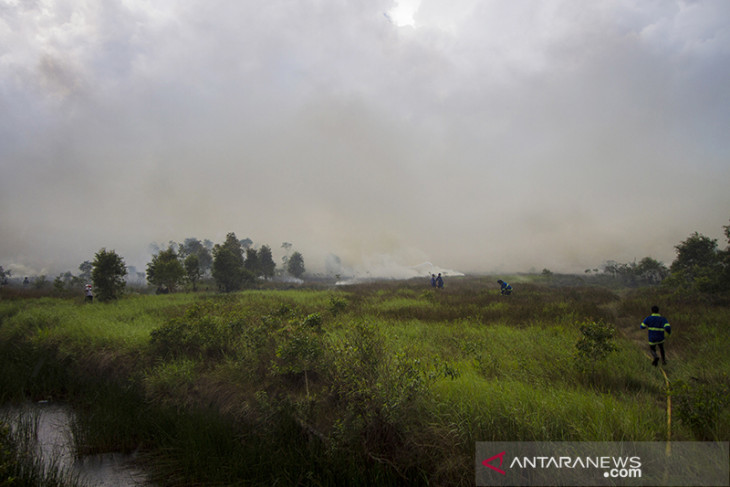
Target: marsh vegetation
column 384, row 383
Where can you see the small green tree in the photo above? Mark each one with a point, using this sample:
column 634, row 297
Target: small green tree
column 700, row 265
column 193, row 270
column 295, row 265
column 58, row 284
column 695, row 256
column 266, row 262
column 202, row 249
column 165, row 269
column 40, row 282
column 86, row 267
column 651, row 271
column 594, row 345
column 108, row 271
column 300, row 352
column 252, row 261
column 228, row 270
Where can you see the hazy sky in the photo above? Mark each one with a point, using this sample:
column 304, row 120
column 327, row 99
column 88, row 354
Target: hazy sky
column 479, row 135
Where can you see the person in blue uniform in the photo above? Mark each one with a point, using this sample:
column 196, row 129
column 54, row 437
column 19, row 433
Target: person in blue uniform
column 505, row 288
column 658, row 326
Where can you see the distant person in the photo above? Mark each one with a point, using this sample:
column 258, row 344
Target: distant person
column 89, row 294
column 26, row 282
column 658, row 326
column 440, row 281
column 433, row 280
column 504, row 288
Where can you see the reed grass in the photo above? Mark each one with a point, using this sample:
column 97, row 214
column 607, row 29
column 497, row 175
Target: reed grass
column 22, row 462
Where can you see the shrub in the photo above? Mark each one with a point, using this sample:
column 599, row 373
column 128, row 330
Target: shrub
column 378, row 396
column 199, row 332
column 699, row 404
column 337, row 305
column 313, row 320
column 595, row 344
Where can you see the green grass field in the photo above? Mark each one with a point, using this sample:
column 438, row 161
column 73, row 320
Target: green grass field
column 382, row 383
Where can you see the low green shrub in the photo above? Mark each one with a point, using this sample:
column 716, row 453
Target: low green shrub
column 201, row 331
column 594, row 345
column 699, row 404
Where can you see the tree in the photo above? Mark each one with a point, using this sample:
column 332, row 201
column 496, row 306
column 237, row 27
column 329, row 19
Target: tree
column 651, row 271
column 594, row 345
column 40, row 282
column 228, row 270
column 266, row 262
column 165, row 269
column 287, row 247
column 295, row 265
column 63, row 281
column 695, row 253
column 202, row 249
column 193, row 270
column 698, row 264
column 252, row 261
column 58, row 284
column 85, row 267
column 108, row 271
column 4, row 276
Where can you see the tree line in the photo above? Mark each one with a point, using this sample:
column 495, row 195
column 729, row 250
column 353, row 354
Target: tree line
column 700, row 265
column 233, row 265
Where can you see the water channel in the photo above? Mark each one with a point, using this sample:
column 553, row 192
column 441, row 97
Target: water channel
column 55, row 448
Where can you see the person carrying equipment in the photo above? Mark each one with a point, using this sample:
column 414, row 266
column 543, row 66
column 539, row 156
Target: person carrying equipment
column 658, row 326
column 505, row 288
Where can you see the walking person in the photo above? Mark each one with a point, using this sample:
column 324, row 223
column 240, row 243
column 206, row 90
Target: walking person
column 440, row 281
column 433, row 280
column 658, row 326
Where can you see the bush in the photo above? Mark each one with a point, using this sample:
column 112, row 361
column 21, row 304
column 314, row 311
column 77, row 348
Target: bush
column 199, row 332
column 699, row 404
column 313, row 320
column 595, row 344
column 379, row 397
column 337, row 305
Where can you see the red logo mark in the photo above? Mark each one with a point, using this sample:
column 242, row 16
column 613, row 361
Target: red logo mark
column 501, row 459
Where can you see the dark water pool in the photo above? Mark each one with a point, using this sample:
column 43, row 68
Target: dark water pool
column 55, row 447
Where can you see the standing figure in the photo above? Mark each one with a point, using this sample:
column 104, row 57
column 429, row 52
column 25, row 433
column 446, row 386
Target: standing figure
column 89, row 298
column 433, row 280
column 658, row 326
column 440, row 281
column 505, row 288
